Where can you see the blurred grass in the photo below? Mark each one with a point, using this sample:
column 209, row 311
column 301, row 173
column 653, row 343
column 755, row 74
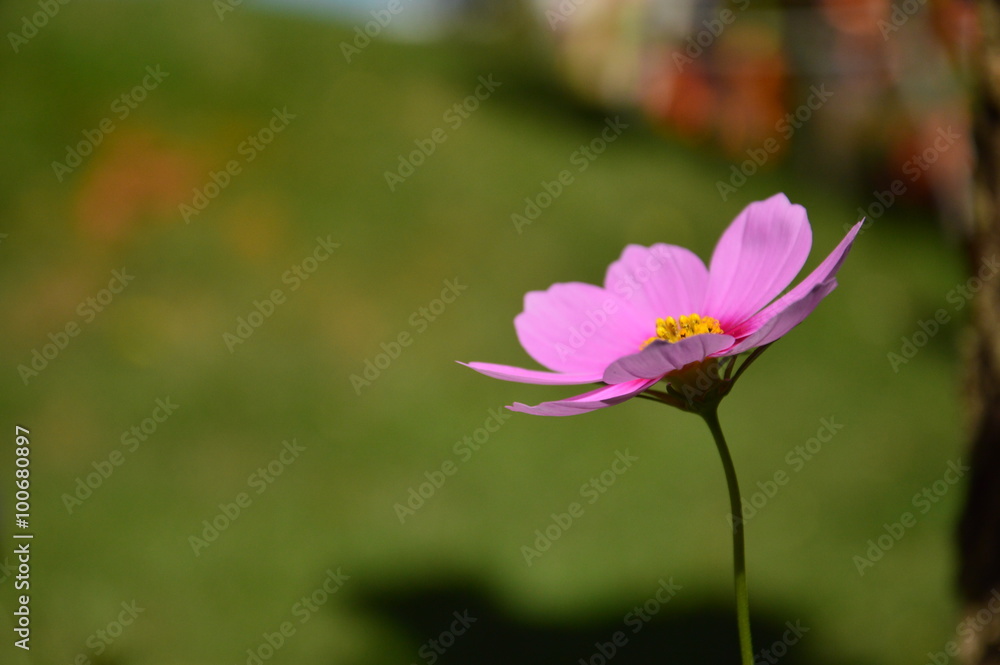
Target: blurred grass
column 334, row 506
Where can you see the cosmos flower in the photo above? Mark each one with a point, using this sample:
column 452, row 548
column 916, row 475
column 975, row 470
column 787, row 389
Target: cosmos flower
column 663, row 316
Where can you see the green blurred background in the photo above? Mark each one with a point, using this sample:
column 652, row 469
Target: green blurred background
column 332, row 508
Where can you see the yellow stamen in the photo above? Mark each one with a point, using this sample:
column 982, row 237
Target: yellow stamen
column 671, row 331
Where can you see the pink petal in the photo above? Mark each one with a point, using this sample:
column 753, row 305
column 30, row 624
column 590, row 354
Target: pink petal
column 756, row 258
column 595, row 399
column 509, row 373
column 662, row 357
column 660, row 281
column 578, row 328
column 785, row 320
column 823, row 272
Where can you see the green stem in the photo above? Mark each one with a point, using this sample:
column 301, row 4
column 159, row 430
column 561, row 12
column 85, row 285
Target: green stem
column 739, row 556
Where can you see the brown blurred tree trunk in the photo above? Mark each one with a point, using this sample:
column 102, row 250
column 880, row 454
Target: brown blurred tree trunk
column 979, row 528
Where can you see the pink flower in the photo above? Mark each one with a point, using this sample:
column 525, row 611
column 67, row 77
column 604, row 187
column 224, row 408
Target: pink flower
column 663, row 316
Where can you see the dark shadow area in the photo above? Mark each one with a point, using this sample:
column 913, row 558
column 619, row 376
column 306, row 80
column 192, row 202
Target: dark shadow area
column 451, row 623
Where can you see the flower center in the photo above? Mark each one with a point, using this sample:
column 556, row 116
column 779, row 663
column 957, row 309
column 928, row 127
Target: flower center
column 672, row 331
